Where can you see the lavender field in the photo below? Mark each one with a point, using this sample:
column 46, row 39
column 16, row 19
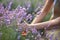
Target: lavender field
column 16, row 17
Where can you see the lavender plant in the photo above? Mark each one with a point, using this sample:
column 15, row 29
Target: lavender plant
column 12, row 21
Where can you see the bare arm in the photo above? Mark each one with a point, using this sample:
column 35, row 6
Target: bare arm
column 44, row 11
column 46, row 24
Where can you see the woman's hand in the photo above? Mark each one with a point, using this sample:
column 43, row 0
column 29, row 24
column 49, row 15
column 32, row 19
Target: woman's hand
column 23, row 25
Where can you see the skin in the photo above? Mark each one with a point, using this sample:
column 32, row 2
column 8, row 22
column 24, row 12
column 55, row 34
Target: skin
column 47, row 24
column 51, row 23
column 44, row 12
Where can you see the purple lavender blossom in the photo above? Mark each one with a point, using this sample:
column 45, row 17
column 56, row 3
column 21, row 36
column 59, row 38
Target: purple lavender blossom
column 1, row 10
column 51, row 37
column 38, row 37
column 38, row 12
column 29, row 18
column 9, row 6
column 20, row 11
column 7, row 21
column 28, row 5
column 34, row 31
column 18, row 38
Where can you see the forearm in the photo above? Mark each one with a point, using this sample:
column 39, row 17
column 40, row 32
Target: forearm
column 46, row 24
column 44, row 11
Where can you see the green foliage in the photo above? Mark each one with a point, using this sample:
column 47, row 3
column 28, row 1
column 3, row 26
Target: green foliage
column 22, row 38
column 48, row 16
column 34, row 3
column 8, row 33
